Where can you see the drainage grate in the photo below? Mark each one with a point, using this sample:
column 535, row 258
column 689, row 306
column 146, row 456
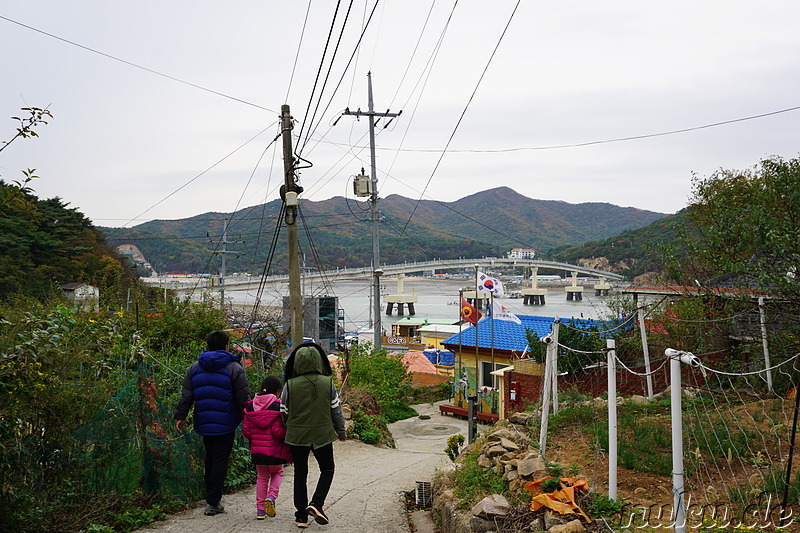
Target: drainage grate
column 424, row 495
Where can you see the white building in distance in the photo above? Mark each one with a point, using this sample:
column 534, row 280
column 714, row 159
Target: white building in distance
column 521, row 253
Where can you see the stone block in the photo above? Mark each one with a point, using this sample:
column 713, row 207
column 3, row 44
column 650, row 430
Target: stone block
column 491, row 507
column 495, row 451
column 530, row 464
column 509, row 445
column 537, row 526
column 551, row 520
column 481, row 525
column 576, row 526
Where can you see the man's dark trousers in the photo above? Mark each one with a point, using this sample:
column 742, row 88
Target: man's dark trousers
column 218, row 452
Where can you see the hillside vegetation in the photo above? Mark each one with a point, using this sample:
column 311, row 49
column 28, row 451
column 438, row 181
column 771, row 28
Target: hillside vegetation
column 46, row 244
column 488, row 223
column 632, row 253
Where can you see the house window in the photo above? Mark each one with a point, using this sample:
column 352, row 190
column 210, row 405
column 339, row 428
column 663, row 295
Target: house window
column 487, row 379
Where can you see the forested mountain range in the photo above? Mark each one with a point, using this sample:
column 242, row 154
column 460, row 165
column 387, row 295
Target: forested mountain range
column 337, row 233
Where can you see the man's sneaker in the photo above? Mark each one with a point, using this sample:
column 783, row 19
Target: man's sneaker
column 261, row 514
column 318, row 515
column 301, row 525
column 211, row 510
column 269, row 503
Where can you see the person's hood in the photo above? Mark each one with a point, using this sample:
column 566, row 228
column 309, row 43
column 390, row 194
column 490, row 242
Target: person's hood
column 216, row 359
column 262, row 401
column 307, row 360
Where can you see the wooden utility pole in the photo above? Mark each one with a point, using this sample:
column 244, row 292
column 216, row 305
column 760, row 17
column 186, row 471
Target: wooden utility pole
column 289, row 193
column 375, row 214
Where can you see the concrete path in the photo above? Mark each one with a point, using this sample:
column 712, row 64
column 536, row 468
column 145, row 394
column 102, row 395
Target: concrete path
column 367, row 492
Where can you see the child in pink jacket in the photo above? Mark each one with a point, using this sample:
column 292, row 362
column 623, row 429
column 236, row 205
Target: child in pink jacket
column 264, row 429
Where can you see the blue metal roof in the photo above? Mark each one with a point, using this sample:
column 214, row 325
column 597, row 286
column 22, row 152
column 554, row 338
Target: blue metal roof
column 508, row 335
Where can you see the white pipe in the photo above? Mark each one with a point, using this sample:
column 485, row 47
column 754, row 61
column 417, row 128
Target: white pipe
column 646, row 353
column 612, row 419
column 763, row 315
column 679, row 505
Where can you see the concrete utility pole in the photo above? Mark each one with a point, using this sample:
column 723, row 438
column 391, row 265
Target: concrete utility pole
column 224, row 252
column 289, row 193
column 377, row 272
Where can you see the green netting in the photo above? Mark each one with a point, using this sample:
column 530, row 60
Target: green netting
column 131, row 446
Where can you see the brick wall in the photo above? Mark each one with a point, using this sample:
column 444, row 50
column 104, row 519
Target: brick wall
column 594, row 382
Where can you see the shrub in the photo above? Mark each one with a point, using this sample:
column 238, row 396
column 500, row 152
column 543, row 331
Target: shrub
column 473, row 482
column 385, row 377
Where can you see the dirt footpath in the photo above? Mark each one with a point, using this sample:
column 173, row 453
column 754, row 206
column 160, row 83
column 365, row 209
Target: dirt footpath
column 367, row 491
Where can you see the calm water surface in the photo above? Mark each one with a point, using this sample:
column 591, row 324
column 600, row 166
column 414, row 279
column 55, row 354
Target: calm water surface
column 436, row 299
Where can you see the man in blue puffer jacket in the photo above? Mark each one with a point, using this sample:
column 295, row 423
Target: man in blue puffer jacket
column 217, row 386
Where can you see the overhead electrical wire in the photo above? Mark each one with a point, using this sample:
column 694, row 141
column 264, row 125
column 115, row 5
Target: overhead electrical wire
column 319, row 72
column 344, row 72
column 297, row 54
column 327, row 77
column 218, row 218
column 250, row 179
column 580, row 144
column 135, row 65
column 251, row 139
column 425, row 74
column 464, row 112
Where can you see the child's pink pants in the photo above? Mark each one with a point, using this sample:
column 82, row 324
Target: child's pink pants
column 268, row 483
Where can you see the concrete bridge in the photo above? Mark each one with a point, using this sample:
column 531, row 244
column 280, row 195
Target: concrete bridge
column 344, row 274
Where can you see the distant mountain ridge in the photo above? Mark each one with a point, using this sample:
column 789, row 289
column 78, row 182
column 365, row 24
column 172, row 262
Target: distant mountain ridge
column 487, row 223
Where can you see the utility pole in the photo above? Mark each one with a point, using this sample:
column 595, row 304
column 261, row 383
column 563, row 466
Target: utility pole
column 377, row 271
column 289, row 193
column 224, row 252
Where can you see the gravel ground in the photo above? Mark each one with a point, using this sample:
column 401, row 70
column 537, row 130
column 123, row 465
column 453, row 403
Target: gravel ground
column 367, row 492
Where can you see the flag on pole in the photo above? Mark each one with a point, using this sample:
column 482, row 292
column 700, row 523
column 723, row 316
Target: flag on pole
column 501, row 312
column 468, row 312
column 489, row 284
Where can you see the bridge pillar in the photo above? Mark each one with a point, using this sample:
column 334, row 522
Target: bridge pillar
column 574, row 291
column 602, row 288
column 400, row 299
column 533, row 295
column 573, row 294
column 481, row 301
column 534, row 299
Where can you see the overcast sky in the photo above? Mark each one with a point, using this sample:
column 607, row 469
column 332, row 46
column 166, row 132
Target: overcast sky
column 168, row 126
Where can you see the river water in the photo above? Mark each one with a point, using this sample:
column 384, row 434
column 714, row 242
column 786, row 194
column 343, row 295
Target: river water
column 436, row 299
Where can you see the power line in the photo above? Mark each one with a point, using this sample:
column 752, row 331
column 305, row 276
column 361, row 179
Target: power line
column 319, row 70
column 201, row 174
column 578, row 145
column 132, row 64
column 344, row 71
column 327, row 77
column 464, row 112
column 297, row 54
column 219, row 218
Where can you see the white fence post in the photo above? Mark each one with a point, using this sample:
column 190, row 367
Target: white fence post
column 545, row 403
column 676, row 357
column 554, row 363
column 612, row 419
column 763, row 319
column 645, row 353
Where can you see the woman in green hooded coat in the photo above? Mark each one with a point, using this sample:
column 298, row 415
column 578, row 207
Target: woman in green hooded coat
column 313, row 417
